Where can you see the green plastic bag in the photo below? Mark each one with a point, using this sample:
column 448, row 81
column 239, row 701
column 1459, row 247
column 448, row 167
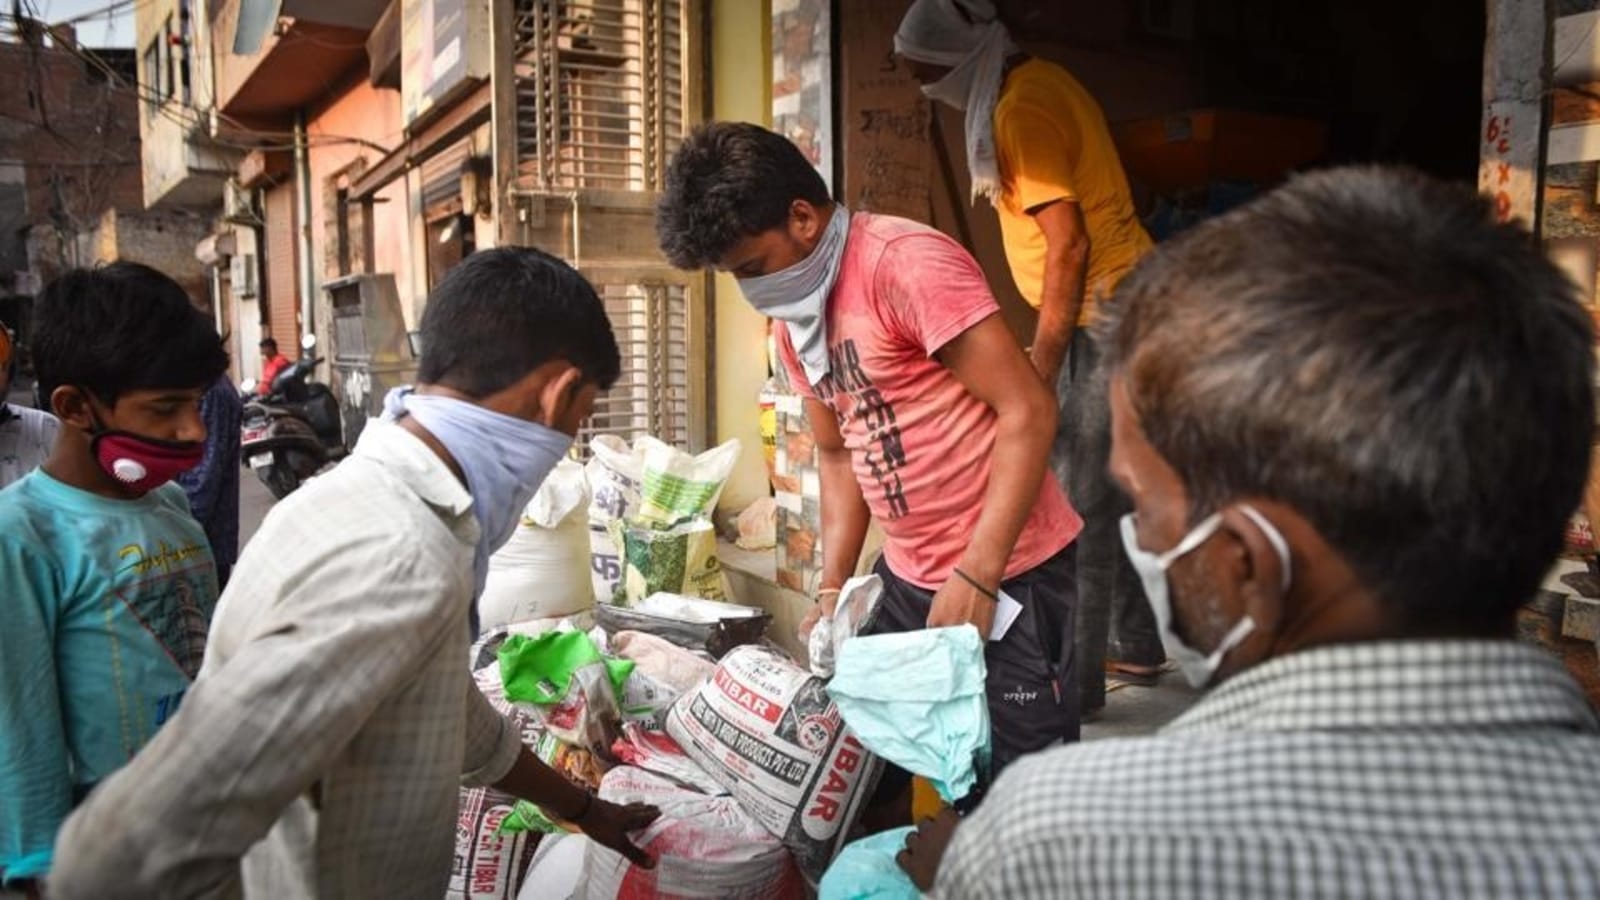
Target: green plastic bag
column 527, row 817
column 539, row 669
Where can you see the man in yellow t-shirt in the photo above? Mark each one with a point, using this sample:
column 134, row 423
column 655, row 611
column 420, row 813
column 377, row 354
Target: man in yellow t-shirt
column 1039, row 149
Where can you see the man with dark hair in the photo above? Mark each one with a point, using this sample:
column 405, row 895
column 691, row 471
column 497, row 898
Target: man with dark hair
column 106, row 583
column 925, row 411
column 321, row 751
column 1040, row 151
column 272, row 365
column 26, row 434
column 1353, row 417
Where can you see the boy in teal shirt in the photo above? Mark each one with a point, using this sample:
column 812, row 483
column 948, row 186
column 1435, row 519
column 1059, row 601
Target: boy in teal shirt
column 107, row 581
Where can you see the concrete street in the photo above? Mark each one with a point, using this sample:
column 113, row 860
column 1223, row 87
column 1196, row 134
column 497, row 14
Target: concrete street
column 1133, row 711
column 254, row 501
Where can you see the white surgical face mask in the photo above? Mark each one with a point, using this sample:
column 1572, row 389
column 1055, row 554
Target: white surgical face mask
column 1199, row 668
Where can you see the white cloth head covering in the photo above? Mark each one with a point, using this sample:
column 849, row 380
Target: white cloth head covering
column 967, row 36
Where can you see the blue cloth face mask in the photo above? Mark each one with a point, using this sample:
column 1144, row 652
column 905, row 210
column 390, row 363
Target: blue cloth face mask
column 798, row 295
column 504, row 459
column 1199, row 668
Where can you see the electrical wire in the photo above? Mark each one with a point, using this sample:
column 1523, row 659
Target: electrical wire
column 110, row 11
column 80, row 164
column 189, row 118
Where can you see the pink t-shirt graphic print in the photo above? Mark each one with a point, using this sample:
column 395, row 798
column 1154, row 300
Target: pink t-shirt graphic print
column 921, row 445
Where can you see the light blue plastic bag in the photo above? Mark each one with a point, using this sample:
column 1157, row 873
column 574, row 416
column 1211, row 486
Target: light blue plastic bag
column 917, row 700
column 866, row 869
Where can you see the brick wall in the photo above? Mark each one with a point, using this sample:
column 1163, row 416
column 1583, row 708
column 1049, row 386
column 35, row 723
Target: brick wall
column 74, row 136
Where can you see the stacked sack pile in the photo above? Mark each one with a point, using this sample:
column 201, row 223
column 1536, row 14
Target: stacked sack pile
column 660, row 692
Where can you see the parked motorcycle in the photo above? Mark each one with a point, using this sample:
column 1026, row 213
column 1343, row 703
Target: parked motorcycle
column 293, row 431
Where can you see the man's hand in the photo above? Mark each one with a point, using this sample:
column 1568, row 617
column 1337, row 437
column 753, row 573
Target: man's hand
column 609, row 824
column 827, row 602
column 925, row 848
column 959, row 602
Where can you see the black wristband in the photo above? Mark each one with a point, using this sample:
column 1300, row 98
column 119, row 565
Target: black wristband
column 992, row 595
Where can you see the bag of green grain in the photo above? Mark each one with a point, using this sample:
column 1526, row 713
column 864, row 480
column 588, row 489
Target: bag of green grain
column 676, row 559
column 654, row 486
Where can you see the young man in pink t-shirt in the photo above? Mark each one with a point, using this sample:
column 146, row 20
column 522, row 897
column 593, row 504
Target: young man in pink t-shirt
column 926, row 412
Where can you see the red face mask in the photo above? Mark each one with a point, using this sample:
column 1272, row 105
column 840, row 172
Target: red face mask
column 144, row 464
column 140, row 463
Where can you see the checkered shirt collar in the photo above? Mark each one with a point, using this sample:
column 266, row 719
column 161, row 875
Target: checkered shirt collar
column 1461, row 684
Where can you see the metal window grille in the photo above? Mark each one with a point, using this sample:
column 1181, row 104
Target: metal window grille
column 599, row 92
column 600, row 100
column 652, row 396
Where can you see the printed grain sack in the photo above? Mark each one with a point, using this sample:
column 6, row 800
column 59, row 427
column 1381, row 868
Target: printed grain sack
column 678, row 486
column 654, row 484
column 490, row 862
column 615, row 473
column 671, row 545
column 765, row 729
column 542, row 571
column 704, row 847
column 655, row 751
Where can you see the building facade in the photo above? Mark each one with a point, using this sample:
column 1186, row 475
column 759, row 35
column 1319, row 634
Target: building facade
column 69, row 153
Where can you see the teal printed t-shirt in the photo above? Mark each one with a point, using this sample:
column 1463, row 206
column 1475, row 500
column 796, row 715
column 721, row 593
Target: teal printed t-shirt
column 104, row 607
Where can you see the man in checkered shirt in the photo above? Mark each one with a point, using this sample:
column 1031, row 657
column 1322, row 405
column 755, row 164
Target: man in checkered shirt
column 1353, row 418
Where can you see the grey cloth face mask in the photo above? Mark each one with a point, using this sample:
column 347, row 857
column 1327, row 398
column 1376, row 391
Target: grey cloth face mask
column 798, row 295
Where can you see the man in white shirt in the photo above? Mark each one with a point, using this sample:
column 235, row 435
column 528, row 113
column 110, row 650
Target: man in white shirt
column 320, row 752
column 26, row 435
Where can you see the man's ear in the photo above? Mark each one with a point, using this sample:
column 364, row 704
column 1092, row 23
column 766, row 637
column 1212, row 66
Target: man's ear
column 72, row 406
column 805, row 222
column 558, row 397
column 1257, row 570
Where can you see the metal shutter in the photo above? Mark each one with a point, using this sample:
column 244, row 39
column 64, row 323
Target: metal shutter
column 282, row 282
